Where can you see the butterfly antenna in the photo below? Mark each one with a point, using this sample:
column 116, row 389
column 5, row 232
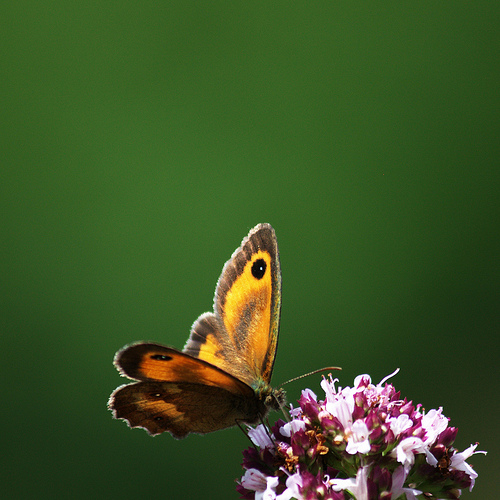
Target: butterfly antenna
column 311, row 373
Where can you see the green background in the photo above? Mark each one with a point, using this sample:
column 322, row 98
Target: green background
column 139, row 143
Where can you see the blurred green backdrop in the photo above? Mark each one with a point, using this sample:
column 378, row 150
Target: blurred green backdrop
column 140, row 141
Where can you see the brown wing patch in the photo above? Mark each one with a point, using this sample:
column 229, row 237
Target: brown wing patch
column 182, row 408
column 154, row 362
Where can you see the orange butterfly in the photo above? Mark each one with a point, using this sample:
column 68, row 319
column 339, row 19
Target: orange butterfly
column 222, row 376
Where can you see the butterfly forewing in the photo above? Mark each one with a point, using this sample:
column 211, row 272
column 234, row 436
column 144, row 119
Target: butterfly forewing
column 154, row 362
column 242, row 335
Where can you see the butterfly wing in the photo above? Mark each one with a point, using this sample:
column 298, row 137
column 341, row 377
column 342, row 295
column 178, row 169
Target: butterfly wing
column 181, row 408
column 241, row 336
column 155, row 362
column 178, row 393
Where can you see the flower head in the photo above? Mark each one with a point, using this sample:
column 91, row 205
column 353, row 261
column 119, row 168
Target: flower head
column 363, row 442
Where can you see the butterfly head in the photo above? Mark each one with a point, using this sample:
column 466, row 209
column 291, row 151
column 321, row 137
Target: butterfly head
column 270, row 398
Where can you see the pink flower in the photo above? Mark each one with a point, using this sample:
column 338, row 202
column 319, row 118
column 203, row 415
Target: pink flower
column 434, row 424
column 264, row 486
column 400, row 424
column 406, row 449
column 363, row 441
column 357, row 486
column 398, row 480
column 260, row 437
column 293, row 486
column 357, row 438
column 340, row 405
column 458, row 462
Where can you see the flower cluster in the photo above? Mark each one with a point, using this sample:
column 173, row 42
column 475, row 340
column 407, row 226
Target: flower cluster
column 363, row 442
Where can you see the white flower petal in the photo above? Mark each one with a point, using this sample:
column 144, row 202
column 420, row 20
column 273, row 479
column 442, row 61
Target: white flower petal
column 357, row 438
column 398, row 479
column 254, row 479
column 291, row 427
column 260, row 437
column 400, row 424
column 434, row 424
column 404, row 451
column 293, row 483
column 458, row 462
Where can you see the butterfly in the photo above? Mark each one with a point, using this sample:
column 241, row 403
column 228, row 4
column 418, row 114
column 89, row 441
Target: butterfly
column 222, row 376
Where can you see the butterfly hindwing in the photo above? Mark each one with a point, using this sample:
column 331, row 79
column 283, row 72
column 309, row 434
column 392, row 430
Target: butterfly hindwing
column 181, row 407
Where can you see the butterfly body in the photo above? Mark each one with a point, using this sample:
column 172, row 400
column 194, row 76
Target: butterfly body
column 223, row 374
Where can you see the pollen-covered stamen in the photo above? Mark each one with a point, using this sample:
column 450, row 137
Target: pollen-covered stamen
column 291, row 460
column 316, row 440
